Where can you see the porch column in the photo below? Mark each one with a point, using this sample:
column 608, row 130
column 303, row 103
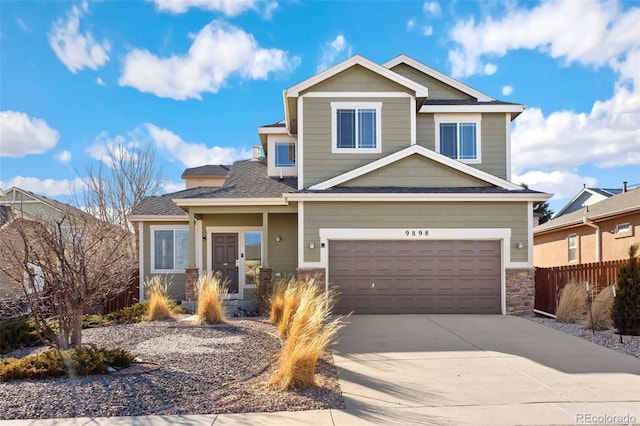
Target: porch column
column 265, row 239
column 192, row 240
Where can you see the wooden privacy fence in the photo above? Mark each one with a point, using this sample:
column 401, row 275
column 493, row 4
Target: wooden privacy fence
column 549, row 281
column 128, row 297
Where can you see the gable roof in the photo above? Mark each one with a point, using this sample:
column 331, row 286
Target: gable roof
column 419, row 150
column 57, row 205
column 209, row 170
column 404, row 59
column 588, row 192
column 623, row 203
column 420, row 91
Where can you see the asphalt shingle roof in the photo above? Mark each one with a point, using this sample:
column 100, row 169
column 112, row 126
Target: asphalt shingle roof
column 246, row 179
column 626, row 201
column 418, row 190
column 210, row 170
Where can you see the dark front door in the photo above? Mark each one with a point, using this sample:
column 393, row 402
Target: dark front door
column 225, row 258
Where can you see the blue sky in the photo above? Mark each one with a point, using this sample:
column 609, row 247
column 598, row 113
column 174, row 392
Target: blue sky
column 195, row 78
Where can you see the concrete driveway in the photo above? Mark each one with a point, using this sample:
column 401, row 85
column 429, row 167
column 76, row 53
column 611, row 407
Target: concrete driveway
column 476, row 369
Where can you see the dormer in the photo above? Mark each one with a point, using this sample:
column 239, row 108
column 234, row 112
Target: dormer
column 280, row 148
column 211, row 175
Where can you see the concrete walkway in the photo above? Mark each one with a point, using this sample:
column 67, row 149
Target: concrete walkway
column 450, row 370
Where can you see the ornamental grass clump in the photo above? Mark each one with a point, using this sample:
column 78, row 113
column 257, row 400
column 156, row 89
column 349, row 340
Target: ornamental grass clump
column 277, row 302
column 572, row 306
column 159, row 304
column 212, row 290
column 309, row 333
column 600, row 317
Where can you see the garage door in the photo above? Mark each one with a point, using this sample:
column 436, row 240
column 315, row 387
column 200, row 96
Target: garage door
column 402, row 277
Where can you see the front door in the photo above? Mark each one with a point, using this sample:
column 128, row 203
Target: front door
column 225, row 258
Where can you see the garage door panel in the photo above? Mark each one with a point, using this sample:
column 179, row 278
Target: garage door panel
column 416, row 276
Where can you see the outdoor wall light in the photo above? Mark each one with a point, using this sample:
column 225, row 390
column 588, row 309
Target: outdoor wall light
column 520, row 245
column 312, row 245
column 278, row 239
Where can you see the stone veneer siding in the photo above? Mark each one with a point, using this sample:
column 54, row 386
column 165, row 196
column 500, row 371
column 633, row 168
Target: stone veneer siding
column 190, row 279
column 520, row 289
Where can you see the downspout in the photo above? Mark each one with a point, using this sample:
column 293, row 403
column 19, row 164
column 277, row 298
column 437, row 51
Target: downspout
column 597, row 228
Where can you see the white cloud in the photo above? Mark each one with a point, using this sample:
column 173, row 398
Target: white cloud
column 64, row 157
column 427, row 30
column 432, row 8
column 21, row 135
column 227, row 7
column 23, row 25
column 490, row 69
column 411, row 23
column 76, row 50
column 334, row 51
column 561, row 184
column 602, row 35
column 193, row 154
column 48, row 187
column 218, row 51
column 551, row 147
column 105, row 147
column 169, row 187
column 100, row 81
column 507, row 90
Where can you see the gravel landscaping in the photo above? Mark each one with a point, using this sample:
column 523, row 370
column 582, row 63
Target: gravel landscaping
column 183, row 369
column 606, row 338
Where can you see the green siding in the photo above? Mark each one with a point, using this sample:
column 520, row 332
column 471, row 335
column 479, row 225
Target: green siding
column 283, row 254
column 321, row 164
column 357, row 79
column 415, row 215
column 238, row 220
column 493, row 136
column 437, row 89
column 416, row 171
column 176, row 289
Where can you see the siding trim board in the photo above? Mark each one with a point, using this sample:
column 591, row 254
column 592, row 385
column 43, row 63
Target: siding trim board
column 352, row 234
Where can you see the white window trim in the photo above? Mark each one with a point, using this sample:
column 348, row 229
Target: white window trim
column 273, row 170
column 461, row 118
column 335, row 106
column 275, row 149
column 576, row 248
column 152, row 250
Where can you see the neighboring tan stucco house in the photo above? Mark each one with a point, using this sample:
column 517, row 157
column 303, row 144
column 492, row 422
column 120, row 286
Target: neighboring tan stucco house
column 599, row 232
column 389, row 181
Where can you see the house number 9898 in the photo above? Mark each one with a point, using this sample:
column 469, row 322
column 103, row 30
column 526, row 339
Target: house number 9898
column 416, row 233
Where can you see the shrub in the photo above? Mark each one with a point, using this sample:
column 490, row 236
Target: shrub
column 159, row 303
column 572, row 306
column 211, row 290
column 17, row 333
column 626, row 306
column 72, row 363
column 600, row 317
column 129, row 315
column 310, row 333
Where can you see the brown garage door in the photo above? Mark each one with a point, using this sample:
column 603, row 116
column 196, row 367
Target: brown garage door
column 402, row 277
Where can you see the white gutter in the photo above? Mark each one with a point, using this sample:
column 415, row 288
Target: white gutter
column 597, row 228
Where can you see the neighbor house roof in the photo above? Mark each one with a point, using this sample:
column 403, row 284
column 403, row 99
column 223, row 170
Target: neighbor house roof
column 593, row 195
column 623, row 203
column 210, row 170
column 246, row 179
column 48, row 201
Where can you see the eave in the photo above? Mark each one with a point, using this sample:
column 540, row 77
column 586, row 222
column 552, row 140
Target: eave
column 435, row 197
column 199, row 202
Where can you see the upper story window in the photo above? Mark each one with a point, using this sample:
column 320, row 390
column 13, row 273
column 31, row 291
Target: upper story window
column 285, row 154
column 169, row 249
column 572, row 243
column 356, row 127
column 458, row 136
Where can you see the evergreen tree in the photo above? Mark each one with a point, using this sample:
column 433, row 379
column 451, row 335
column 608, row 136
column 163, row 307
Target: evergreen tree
column 545, row 211
column 626, row 306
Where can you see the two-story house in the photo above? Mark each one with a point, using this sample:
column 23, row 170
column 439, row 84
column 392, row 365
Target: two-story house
column 389, row 181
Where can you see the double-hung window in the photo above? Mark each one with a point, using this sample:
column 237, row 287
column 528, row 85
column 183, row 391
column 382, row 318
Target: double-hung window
column 169, row 249
column 285, row 154
column 356, row 127
column 458, row 136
